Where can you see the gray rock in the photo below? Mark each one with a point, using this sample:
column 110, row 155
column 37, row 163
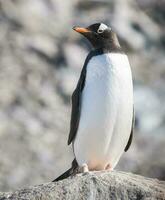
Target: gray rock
column 95, row 185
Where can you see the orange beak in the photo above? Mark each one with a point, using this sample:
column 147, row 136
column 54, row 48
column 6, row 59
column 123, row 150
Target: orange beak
column 81, row 30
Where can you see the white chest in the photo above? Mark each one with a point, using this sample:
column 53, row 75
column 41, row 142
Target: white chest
column 107, row 95
column 108, row 86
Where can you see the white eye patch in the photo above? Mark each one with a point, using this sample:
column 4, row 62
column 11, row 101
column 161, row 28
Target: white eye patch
column 101, row 28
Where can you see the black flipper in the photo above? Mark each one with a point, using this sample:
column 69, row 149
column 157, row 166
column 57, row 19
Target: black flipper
column 77, row 97
column 131, row 134
column 76, row 106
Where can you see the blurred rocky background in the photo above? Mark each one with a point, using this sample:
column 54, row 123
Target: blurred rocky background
column 40, row 62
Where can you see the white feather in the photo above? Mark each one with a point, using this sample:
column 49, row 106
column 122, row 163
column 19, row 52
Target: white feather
column 102, row 27
column 106, row 114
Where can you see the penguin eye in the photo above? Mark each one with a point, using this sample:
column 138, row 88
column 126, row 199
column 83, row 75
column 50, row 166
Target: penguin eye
column 100, row 31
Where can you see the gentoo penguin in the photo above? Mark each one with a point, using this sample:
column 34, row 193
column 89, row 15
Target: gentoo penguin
column 102, row 117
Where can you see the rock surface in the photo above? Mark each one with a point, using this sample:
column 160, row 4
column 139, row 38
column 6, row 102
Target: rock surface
column 94, row 186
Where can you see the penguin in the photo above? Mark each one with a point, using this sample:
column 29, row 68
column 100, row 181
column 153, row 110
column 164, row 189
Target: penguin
column 102, row 117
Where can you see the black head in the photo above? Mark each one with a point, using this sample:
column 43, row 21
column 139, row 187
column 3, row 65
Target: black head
column 100, row 36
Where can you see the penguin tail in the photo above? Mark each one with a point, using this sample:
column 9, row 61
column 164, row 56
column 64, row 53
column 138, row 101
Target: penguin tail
column 69, row 172
column 64, row 175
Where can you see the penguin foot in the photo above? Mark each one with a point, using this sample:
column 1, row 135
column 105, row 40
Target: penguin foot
column 83, row 168
column 108, row 167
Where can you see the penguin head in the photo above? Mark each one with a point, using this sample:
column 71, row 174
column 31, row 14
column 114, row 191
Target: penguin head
column 99, row 35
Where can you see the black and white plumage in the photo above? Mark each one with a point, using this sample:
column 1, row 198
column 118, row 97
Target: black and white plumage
column 102, row 104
